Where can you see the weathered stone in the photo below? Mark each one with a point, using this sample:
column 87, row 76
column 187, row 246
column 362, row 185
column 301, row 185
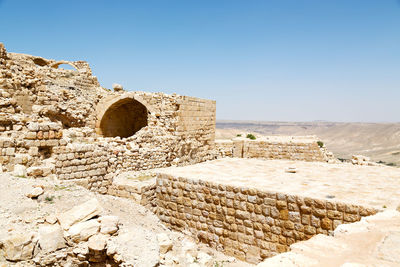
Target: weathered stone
column 109, row 224
column 117, row 87
column 19, row 170
column 35, row 192
column 83, row 230
column 51, row 219
column 80, row 213
column 34, row 171
column 51, row 238
column 19, row 247
column 164, row 243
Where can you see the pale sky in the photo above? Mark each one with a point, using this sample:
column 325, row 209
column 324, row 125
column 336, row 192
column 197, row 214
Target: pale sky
column 286, row 60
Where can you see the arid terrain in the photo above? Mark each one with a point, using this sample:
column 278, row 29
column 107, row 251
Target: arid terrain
column 379, row 141
column 91, row 176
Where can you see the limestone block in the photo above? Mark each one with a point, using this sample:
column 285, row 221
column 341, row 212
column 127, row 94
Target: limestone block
column 51, row 219
column 19, row 170
column 97, row 248
column 164, row 243
column 35, row 192
column 10, row 151
column 51, row 238
column 30, row 135
column 33, row 126
column 80, row 213
column 109, row 224
column 82, row 231
column 34, row 171
column 19, row 247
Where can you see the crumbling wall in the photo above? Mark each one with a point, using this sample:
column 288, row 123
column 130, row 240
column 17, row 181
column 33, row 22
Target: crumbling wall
column 42, row 90
column 247, row 223
column 133, row 130
column 287, row 148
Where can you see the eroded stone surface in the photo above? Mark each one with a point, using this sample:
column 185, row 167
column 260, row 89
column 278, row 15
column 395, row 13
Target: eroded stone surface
column 80, row 213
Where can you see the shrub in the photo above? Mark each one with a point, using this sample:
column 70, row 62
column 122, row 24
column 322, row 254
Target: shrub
column 49, row 199
column 320, row 143
column 238, row 135
column 251, row 136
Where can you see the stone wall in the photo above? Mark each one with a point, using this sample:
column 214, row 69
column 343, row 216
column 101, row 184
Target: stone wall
column 224, row 148
column 42, row 105
column 86, row 162
column 245, row 222
column 289, row 148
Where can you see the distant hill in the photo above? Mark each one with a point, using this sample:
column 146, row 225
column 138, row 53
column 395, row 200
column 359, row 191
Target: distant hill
column 380, row 141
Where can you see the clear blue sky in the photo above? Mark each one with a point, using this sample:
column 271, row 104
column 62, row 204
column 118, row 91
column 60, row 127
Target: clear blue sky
column 288, row 60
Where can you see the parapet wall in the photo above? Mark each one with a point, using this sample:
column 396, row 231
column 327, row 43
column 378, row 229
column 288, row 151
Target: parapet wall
column 245, row 222
column 287, row 148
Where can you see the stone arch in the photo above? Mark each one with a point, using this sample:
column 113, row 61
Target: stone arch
column 58, row 63
column 122, row 117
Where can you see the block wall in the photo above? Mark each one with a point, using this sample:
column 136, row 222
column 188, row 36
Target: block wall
column 86, row 162
column 247, row 223
column 224, row 148
column 196, row 128
column 245, row 148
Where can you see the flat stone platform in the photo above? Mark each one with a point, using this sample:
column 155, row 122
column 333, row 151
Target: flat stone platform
column 373, row 186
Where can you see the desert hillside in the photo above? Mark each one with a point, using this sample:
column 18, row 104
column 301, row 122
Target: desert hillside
column 380, row 141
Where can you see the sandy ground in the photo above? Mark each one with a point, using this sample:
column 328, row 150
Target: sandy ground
column 137, row 236
column 375, row 186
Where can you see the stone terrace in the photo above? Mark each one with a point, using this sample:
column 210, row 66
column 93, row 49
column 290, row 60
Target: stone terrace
column 254, row 209
column 374, row 186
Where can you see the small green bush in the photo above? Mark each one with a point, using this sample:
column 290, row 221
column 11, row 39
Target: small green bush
column 320, row 143
column 238, row 135
column 251, row 136
column 49, row 199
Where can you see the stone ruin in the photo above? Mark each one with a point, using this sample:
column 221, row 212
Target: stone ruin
column 63, row 124
column 84, row 131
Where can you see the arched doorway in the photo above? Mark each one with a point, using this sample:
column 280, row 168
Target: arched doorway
column 123, row 118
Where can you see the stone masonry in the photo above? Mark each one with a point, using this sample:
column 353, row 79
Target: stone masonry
column 81, row 131
column 274, row 147
column 244, row 222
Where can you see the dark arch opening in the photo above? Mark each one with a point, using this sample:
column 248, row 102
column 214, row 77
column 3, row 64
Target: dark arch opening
column 124, row 118
column 40, row 61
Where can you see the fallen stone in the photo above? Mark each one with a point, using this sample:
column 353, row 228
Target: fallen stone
column 164, row 243
column 81, row 250
column 109, row 224
column 36, row 191
column 51, row 238
column 83, row 212
column 51, row 219
column 117, row 87
column 19, row 170
column 19, row 247
column 97, row 242
column 34, row 171
column 83, row 230
column 97, row 246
